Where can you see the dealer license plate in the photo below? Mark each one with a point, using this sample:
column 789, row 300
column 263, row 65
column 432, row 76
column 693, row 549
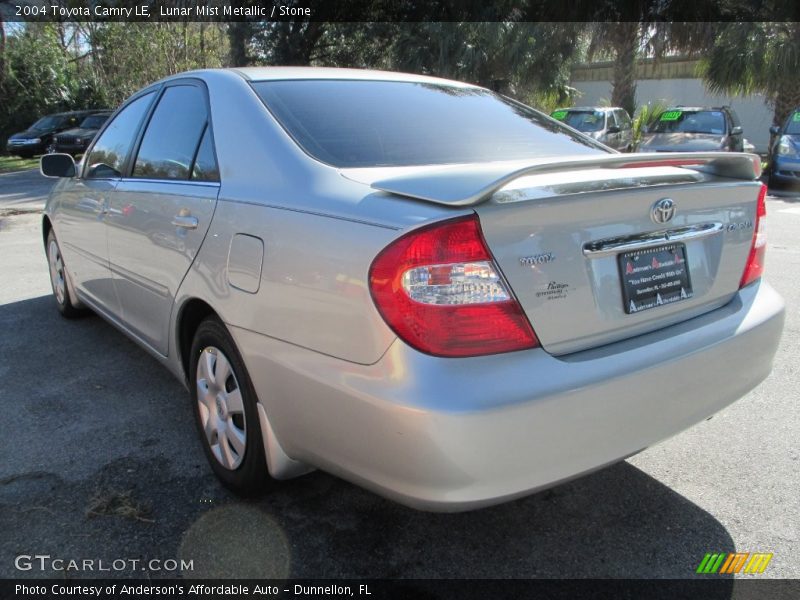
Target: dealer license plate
column 654, row 277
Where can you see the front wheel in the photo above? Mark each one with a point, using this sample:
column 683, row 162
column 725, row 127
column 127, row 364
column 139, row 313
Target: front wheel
column 51, row 147
column 58, row 279
column 226, row 412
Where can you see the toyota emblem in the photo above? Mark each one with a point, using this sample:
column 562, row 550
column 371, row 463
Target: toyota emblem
column 663, row 210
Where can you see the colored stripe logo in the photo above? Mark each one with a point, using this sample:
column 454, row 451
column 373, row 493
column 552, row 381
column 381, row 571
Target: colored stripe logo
column 723, row 563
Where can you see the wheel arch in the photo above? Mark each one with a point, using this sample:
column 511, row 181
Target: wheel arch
column 47, row 225
column 192, row 312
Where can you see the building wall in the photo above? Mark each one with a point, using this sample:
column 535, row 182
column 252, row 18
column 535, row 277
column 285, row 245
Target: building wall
column 676, row 85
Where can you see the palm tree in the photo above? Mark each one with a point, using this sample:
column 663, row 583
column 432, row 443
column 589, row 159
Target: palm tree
column 509, row 57
column 749, row 58
column 622, row 43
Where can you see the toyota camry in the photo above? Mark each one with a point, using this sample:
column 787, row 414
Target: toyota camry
column 416, row 284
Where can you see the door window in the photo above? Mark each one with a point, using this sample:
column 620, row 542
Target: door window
column 171, row 139
column 108, row 155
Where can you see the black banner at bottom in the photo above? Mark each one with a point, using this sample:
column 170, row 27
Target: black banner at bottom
column 706, row 588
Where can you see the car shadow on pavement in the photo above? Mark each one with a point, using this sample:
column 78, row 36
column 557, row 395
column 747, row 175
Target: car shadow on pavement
column 101, row 461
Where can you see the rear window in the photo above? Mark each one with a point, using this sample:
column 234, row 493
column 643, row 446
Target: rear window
column 348, row 123
column 677, row 120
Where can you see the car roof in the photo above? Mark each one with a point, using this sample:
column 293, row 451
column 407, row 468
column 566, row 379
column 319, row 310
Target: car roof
column 300, row 73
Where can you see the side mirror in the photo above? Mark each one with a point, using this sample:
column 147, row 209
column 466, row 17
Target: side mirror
column 737, row 130
column 614, row 129
column 58, row 165
column 774, row 130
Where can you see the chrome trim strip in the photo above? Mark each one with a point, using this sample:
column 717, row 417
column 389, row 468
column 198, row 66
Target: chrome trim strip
column 649, row 240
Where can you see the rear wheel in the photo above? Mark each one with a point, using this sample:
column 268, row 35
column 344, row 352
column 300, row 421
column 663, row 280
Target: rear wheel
column 226, row 412
column 58, row 279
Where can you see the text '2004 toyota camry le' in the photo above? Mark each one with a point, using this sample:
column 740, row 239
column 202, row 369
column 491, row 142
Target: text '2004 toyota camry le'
column 416, row 284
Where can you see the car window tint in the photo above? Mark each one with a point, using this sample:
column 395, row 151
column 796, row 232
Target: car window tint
column 586, row 121
column 171, row 138
column 205, row 165
column 687, row 121
column 348, row 123
column 793, row 124
column 108, row 155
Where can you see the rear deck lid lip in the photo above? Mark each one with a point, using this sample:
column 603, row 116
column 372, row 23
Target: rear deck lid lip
column 473, row 183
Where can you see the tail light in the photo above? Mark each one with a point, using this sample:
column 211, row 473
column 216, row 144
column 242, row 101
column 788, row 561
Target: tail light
column 440, row 290
column 755, row 261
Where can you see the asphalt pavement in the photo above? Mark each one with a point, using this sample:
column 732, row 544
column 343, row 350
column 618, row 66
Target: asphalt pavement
column 100, row 461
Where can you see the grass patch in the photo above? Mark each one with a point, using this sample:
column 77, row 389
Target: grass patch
column 119, row 504
column 9, row 164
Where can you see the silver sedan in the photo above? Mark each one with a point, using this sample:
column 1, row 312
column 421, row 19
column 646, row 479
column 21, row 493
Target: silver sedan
column 416, row 284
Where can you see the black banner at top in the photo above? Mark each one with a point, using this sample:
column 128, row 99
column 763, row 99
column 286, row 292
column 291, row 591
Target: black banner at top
column 399, row 10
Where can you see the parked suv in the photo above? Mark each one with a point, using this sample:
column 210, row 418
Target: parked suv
column 694, row 129
column 75, row 141
column 39, row 136
column 608, row 125
column 784, row 154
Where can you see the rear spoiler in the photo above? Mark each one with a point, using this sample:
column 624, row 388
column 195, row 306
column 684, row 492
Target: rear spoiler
column 470, row 184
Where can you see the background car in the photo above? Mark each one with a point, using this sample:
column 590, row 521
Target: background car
column 611, row 126
column 694, row 129
column 784, row 154
column 40, row 136
column 416, row 284
column 75, row 141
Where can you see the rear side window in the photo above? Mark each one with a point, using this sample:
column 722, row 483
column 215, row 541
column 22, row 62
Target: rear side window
column 108, row 155
column 171, row 139
column 349, row 123
column 205, row 165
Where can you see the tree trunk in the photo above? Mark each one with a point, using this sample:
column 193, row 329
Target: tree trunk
column 238, row 34
column 625, row 40
column 787, row 98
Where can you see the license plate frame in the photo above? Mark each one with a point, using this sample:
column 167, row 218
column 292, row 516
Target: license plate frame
column 655, row 276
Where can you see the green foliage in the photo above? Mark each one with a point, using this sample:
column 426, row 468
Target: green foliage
column 645, row 116
column 51, row 67
column 753, row 57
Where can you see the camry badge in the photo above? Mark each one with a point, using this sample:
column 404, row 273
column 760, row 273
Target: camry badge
column 663, row 210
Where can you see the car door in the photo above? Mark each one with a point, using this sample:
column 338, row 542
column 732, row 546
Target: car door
column 161, row 211
column 84, row 206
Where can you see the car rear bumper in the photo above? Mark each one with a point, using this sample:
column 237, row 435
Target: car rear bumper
column 456, row 434
column 785, row 173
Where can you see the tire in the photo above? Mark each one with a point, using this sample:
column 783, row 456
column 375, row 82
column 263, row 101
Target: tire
column 227, row 421
column 58, row 279
column 25, row 155
column 51, row 147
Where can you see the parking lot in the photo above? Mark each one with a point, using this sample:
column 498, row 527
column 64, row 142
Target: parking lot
column 101, row 461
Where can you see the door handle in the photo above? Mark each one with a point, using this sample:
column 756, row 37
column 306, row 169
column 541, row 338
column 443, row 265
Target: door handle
column 187, row 222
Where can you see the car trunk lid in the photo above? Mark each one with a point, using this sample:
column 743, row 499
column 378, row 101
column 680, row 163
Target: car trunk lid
column 586, row 251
